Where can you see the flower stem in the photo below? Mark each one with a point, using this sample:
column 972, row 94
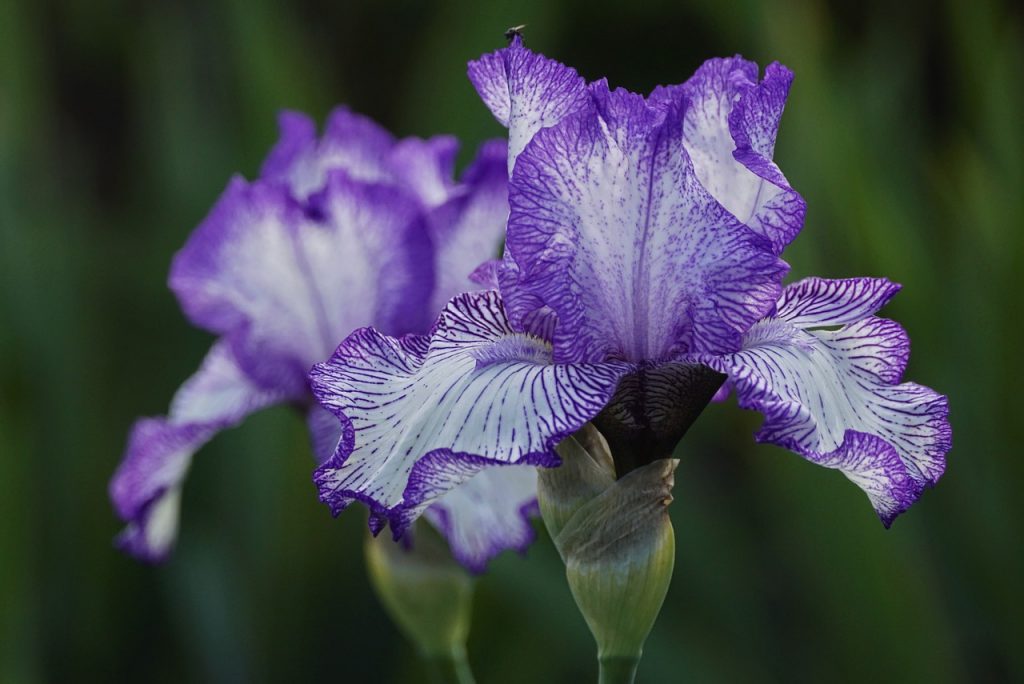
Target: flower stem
column 449, row 668
column 617, row 670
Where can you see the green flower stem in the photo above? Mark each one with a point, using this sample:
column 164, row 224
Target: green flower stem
column 449, row 668
column 617, row 670
column 429, row 596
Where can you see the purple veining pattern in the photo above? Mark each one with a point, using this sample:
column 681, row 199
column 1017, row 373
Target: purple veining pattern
column 526, row 92
column 625, row 246
column 834, row 395
column 730, row 127
column 418, row 424
column 643, row 245
column 347, row 230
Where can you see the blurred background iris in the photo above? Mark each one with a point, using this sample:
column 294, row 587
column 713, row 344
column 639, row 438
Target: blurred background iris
column 120, row 123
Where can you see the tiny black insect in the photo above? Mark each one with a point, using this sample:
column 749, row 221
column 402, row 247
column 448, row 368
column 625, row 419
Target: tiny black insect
column 514, row 31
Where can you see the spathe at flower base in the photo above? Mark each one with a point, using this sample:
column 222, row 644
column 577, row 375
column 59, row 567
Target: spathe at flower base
column 617, row 543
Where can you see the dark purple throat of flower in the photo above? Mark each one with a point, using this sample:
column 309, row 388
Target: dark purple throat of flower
column 652, row 409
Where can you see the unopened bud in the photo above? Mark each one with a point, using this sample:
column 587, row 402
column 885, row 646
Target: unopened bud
column 427, row 594
column 617, row 542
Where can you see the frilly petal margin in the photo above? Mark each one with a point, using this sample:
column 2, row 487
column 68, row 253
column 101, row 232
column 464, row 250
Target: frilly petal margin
column 834, row 395
column 147, row 485
column 526, row 92
column 364, row 150
column 419, row 420
column 611, row 229
column 730, row 126
column 487, row 514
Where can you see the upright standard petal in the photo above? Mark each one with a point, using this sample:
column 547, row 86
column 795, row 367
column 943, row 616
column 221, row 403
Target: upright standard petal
column 285, row 287
column 834, row 395
column 147, row 485
column 468, row 229
column 365, row 151
column 729, row 131
column 526, row 92
column 420, row 419
column 611, row 229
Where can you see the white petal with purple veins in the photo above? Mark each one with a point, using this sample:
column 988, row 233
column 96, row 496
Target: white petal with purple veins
column 819, row 301
column 611, row 230
column 833, row 395
column 418, row 424
column 526, row 92
column 729, row 131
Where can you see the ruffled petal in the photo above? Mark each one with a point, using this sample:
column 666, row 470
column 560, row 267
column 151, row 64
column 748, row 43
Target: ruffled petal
column 729, row 131
column 819, row 301
column 487, row 514
column 146, row 487
column 426, row 167
column 418, row 422
column 365, row 151
column 834, row 395
column 526, row 92
column 285, row 287
column 353, row 143
column 468, row 229
column 611, row 229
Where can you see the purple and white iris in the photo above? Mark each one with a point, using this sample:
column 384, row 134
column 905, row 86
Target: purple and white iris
column 641, row 271
column 347, row 230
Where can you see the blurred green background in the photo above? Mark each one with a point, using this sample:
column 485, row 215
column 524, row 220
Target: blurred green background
column 120, row 123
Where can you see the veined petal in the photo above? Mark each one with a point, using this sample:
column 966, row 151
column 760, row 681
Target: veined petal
column 611, row 229
column 526, row 92
column 146, row 488
column 365, row 151
column 418, row 422
column 487, row 514
column 729, row 131
column 285, row 287
column 468, row 229
column 820, row 301
column 834, row 396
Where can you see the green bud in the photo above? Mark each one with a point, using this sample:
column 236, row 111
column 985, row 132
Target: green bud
column 617, row 543
column 428, row 595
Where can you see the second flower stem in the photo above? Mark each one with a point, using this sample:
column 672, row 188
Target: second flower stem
column 617, row 670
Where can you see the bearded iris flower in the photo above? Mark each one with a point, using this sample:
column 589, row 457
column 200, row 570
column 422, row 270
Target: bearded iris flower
column 642, row 271
column 352, row 229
